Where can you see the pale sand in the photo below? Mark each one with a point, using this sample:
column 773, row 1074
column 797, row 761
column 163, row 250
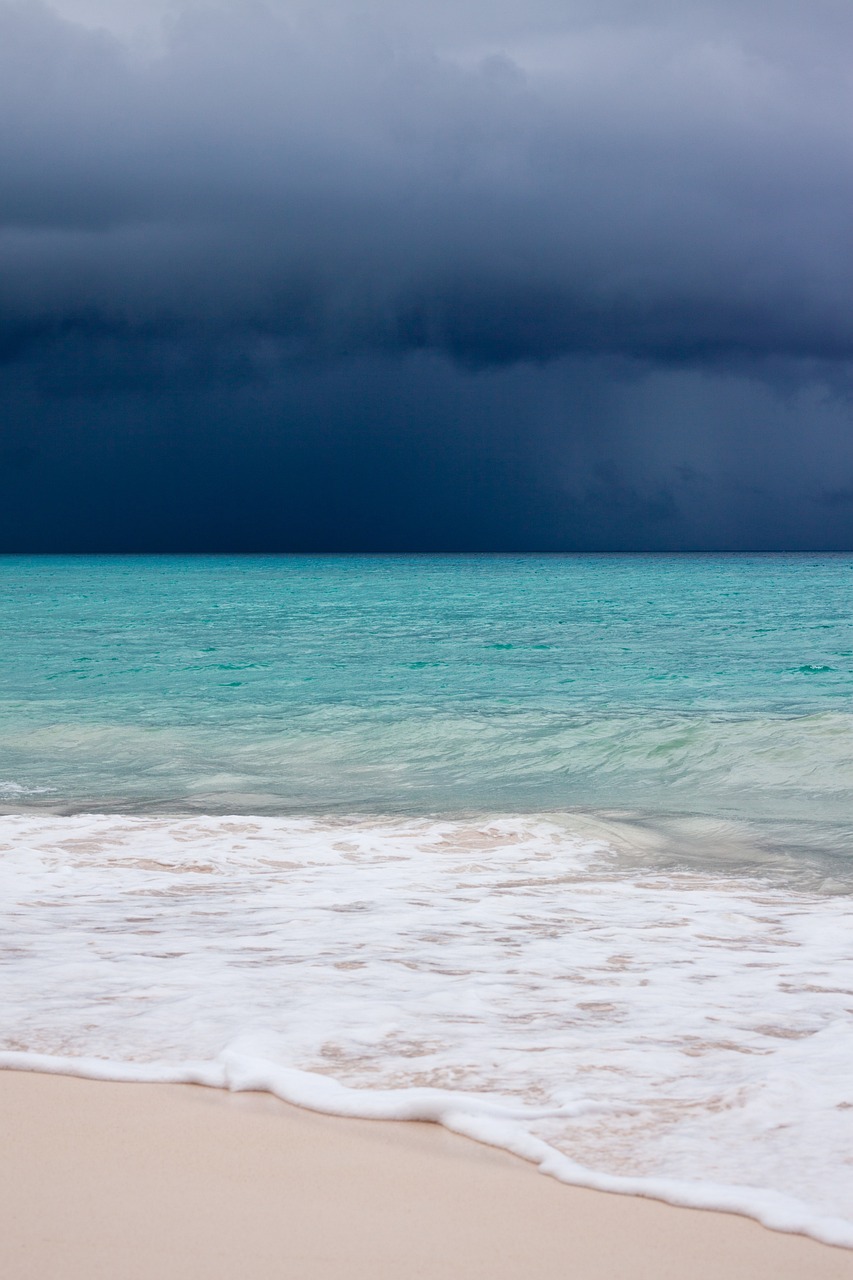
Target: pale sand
column 160, row 1182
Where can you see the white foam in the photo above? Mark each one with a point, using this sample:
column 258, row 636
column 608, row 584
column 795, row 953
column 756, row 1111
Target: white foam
column 676, row 1036
column 8, row 788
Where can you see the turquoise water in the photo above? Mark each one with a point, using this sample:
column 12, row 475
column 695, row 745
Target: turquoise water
column 555, row 850
column 664, row 689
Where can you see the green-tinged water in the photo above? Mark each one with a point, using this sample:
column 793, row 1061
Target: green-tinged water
column 553, row 850
column 683, row 692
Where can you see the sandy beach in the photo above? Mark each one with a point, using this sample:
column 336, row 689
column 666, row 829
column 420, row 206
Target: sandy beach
column 162, row 1181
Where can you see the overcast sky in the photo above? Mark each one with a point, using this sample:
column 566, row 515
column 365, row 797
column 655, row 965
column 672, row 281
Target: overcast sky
column 384, row 276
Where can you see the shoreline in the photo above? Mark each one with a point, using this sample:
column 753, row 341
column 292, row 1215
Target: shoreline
column 161, row 1181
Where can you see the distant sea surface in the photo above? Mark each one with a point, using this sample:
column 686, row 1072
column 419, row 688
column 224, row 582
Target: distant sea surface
column 555, row 849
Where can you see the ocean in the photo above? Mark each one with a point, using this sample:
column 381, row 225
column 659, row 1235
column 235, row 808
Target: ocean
column 555, row 850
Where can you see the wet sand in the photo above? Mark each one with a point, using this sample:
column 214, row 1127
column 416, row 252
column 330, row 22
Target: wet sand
column 102, row 1181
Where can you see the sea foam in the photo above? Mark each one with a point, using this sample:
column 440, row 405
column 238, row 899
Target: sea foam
column 530, row 982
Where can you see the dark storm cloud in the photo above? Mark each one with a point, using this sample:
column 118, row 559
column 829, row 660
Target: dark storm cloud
column 384, row 274
column 618, row 179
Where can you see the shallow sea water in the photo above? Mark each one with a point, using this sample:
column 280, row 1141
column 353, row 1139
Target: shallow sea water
column 555, row 850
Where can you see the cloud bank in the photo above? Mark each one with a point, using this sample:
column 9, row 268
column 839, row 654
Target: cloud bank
column 573, row 277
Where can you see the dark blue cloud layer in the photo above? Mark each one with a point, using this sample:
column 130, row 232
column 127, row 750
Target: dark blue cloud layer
column 385, row 279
